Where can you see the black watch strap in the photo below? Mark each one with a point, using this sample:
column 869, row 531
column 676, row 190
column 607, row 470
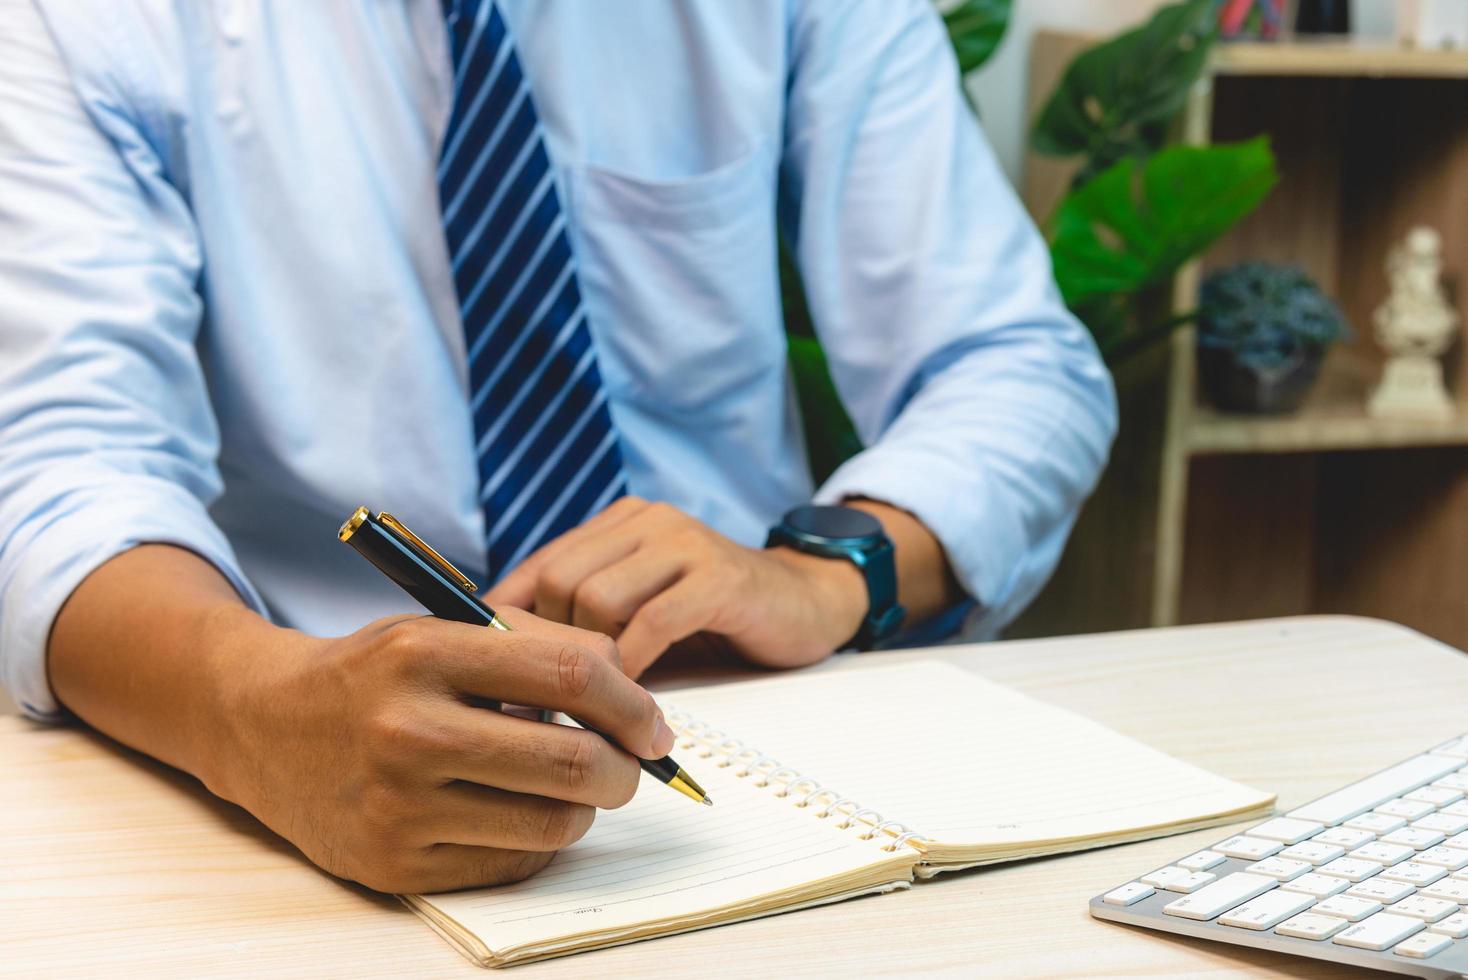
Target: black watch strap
column 857, row 537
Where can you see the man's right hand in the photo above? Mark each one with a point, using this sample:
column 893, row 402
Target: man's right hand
column 367, row 752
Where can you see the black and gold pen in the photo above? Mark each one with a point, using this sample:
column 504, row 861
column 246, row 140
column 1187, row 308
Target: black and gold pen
column 449, row 594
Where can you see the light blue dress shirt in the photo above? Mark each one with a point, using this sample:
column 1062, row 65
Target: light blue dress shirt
column 227, row 316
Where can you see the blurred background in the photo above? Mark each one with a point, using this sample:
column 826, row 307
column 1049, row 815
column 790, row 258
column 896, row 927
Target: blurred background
column 1261, row 211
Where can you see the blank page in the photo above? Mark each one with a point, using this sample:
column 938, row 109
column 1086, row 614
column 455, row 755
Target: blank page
column 962, row 760
column 664, row 857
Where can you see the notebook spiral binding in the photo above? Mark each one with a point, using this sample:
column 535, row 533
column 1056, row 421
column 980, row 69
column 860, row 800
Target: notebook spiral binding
column 767, row 770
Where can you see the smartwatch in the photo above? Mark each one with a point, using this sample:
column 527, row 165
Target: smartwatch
column 844, row 532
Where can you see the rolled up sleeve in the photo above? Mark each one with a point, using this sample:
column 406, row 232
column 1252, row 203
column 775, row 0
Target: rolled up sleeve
column 107, row 437
column 985, row 407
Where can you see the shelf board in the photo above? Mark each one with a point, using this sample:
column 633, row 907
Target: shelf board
column 1338, row 59
column 1210, row 432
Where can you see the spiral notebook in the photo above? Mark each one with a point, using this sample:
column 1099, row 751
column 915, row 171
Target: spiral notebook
column 830, row 785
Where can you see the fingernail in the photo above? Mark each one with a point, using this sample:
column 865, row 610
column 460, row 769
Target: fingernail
column 662, row 739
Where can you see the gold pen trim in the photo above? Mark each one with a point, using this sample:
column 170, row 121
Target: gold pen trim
column 443, row 563
column 350, row 525
column 689, row 787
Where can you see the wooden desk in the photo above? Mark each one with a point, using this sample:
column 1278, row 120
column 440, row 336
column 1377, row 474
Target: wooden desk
column 111, row 864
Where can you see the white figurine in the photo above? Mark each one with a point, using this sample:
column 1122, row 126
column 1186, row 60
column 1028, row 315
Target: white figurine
column 1415, row 325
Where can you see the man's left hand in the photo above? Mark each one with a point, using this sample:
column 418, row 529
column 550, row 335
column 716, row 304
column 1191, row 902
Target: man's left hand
column 649, row 575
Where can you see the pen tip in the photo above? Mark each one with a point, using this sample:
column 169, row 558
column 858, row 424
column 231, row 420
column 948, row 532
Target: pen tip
column 707, row 801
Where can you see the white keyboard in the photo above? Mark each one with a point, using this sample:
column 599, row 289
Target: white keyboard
column 1374, row 875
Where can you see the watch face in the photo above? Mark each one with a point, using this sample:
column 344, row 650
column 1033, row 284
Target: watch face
column 835, row 523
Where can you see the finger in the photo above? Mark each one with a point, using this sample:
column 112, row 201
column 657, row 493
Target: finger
column 676, row 613
column 541, row 759
column 607, row 599
column 522, row 667
column 482, row 816
column 450, row 867
column 562, row 574
column 529, row 622
column 518, row 587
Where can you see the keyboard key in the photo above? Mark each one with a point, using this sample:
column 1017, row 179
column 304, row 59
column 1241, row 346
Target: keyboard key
column 1424, row 908
column 1351, row 869
column 1160, row 877
column 1414, row 873
column 1454, row 780
column 1202, row 861
column 1377, row 823
column 1449, row 891
column 1452, row 858
column 1313, row 852
column 1422, row 945
column 1357, row 798
column 1458, row 840
column 1279, row 868
column 1319, row 885
column 1191, row 883
column 1379, row 931
column 1376, row 890
column 1308, row 925
column 1411, row 809
column 1352, row 908
column 1383, row 853
column 1454, row 926
column 1415, row 838
column 1438, row 796
column 1447, row 823
column 1459, row 809
column 1266, row 911
column 1288, row 830
column 1249, row 848
column 1347, row 837
column 1128, row 894
column 1175, row 879
column 1458, row 748
column 1213, row 900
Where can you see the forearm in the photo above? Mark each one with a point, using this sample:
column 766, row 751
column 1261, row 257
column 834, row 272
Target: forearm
column 141, row 649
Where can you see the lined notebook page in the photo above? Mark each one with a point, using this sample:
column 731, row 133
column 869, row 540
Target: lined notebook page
column 960, row 759
column 665, row 857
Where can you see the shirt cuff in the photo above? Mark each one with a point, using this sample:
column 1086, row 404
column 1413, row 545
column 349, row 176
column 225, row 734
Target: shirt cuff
column 70, row 539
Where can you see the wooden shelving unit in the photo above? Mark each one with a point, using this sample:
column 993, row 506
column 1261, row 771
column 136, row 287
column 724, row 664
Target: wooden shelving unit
column 1205, row 515
column 1338, row 59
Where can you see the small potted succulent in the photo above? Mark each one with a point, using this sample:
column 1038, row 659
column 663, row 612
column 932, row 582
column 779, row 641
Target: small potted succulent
column 1263, row 330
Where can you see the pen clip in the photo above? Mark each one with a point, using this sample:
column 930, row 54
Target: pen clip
column 398, row 527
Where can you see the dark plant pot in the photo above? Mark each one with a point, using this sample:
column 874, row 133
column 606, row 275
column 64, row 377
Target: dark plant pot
column 1238, row 387
column 1323, row 17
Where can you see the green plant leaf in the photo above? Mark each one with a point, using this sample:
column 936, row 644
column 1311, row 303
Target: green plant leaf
column 830, row 438
column 976, row 27
column 1116, row 99
column 1134, row 225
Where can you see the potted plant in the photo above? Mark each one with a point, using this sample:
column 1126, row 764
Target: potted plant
column 1263, row 330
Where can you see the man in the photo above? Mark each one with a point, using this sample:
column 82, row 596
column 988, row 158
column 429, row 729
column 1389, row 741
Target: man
column 507, row 269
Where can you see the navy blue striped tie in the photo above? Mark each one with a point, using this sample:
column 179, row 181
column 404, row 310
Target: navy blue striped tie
column 548, row 455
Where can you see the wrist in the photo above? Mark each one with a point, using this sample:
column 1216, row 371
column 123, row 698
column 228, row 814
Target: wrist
column 245, row 662
column 838, row 588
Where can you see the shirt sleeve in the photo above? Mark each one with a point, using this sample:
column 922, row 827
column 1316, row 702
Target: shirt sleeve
column 985, row 407
column 107, row 438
